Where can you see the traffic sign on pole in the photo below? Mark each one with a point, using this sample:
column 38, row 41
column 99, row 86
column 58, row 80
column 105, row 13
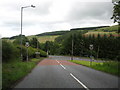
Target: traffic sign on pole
column 91, row 47
column 27, row 44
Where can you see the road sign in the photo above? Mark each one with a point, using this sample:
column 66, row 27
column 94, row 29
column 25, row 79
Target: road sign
column 91, row 47
column 27, row 44
column 37, row 52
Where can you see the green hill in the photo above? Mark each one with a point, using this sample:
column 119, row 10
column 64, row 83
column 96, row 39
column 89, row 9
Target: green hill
column 51, row 36
column 106, row 30
column 89, row 28
column 109, row 29
column 52, row 33
column 43, row 39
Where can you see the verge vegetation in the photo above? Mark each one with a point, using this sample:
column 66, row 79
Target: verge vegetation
column 15, row 70
column 111, row 67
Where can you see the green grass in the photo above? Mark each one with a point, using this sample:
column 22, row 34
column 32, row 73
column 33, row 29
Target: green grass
column 112, row 30
column 108, row 67
column 43, row 39
column 101, row 33
column 15, row 70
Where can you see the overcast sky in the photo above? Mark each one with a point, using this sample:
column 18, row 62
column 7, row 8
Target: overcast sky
column 53, row 15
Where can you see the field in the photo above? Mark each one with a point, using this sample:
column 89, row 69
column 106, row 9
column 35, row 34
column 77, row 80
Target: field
column 43, row 39
column 101, row 33
column 110, row 29
column 107, row 30
column 111, row 67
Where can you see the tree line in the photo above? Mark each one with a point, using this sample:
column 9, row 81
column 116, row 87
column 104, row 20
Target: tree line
column 104, row 47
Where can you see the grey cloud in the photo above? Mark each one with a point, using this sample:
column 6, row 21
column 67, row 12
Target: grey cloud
column 12, row 24
column 41, row 8
column 90, row 10
column 15, row 25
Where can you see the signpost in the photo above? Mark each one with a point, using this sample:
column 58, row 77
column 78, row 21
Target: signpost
column 91, row 48
column 27, row 45
column 37, row 54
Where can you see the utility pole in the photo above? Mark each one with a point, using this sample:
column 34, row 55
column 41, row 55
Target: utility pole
column 37, row 44
column 72, row 48
column 37, row 53
column 81, row 43
column 97, row 52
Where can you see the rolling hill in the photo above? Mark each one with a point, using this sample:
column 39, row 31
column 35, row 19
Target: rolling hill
column 43, row 39
column 50, row 36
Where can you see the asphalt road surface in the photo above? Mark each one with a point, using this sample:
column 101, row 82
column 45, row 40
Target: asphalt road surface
column 57, row 72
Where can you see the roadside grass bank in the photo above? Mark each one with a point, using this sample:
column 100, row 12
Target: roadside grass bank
column 15, row 70
column 111, row 67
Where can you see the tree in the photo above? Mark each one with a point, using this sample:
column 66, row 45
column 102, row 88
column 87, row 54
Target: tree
column 116, row 14
column 18, row 40
column 34, row 43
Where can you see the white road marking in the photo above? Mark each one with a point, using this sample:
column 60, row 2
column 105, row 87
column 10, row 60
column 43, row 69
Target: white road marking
column 62, row 66
column 57, row 61
column 79, row 81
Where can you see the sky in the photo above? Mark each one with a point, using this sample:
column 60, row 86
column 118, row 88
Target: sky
column 52, row 15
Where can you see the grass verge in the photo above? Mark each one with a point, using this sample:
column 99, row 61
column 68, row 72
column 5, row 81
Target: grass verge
column 15, row 70
column 111, row 67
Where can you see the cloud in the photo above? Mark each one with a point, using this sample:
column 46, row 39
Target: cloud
column 41, row 9
column 52, row 15
column 90, row 10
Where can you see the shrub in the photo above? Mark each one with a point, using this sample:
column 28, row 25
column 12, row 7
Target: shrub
column 12, row 51
column 9, row 51
column 42, row 53
column 31, row 52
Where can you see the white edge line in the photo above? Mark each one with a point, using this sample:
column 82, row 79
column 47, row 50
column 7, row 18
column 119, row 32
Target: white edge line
column 79, row 81
column 62, row 66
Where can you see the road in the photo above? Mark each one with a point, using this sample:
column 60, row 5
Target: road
column 57, row 72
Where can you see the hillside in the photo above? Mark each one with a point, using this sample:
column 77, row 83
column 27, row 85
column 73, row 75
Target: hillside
column 43, row 39
column 51, row 36
column 52, row 33
column 88, row 28
column 105, row 30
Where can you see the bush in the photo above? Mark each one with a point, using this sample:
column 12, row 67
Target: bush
column 42, row 53
column 9, row 51
column 31, row 52
column 12, row 51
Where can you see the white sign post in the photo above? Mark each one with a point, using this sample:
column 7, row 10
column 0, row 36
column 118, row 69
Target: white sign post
column 27, row 45
column 91, row 48
column 37, row 54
